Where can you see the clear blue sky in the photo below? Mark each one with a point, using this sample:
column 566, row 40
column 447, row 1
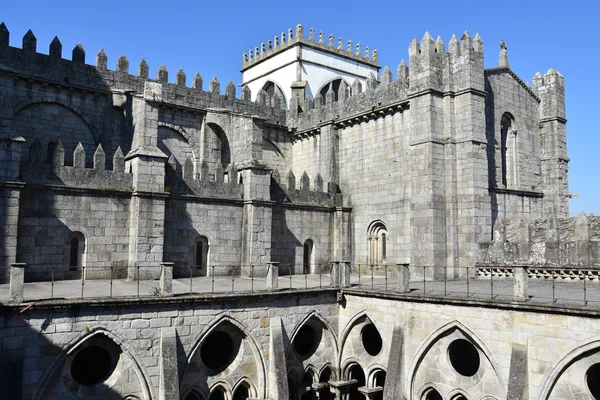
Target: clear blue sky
column 210, row 37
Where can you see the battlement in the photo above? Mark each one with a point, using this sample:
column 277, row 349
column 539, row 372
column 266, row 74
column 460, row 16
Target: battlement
column 289, row 190
column 26, row 62
column 283, row 42
column 354, row 103
column 78, row 175
column 458, row 67
column 202, row 180
column 551, row 89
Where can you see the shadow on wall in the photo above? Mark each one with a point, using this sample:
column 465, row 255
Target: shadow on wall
column 284, row 242
column 92, row 365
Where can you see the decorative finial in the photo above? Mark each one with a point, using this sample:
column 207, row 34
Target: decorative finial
column 503, row 57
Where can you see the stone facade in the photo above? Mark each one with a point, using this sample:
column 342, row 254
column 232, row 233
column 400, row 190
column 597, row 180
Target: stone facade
column 142, row 170
column 272, row 357
column 446, row 166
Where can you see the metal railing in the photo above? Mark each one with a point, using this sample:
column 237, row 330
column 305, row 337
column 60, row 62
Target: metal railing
column 86, row 282
column 569, row 287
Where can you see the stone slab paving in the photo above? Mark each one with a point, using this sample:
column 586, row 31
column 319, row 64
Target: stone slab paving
column 566, row 294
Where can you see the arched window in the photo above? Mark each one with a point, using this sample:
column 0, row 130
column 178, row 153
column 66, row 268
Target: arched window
column 325, row 378
column 217, row 145
column 201, row 256
column 432, row 394
column 76, row 250
column 335, row 86
column 378, row 243
column 356, row 372
column 379, row 381
column 270, row 89
column 508, row 150
column 308, row 257
column 218, row 393
column 307, row 381
column 241, row 392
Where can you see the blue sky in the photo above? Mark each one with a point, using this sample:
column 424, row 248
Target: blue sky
column 210, row 37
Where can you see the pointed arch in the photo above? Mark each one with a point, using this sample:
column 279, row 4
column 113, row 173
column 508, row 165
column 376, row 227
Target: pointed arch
column 314, row 314
column 372, row 372
column 425, row 391
column 217, row 145
column 565, row 362
column 335, row 84
column 54, row 99
column 74, row 344
column 508, row 151
column 364, row 313
column 438, row 334
column 222, row 387
column 324, row 368
column 271, row 89
column 174, row 142
column 245, row 381
column 248, row 336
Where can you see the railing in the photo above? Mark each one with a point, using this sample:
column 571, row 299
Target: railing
column 568, row 287
column 87, row 282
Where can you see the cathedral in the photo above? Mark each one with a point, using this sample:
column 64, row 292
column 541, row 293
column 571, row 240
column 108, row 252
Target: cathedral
column 319, row 163
column 320, row 156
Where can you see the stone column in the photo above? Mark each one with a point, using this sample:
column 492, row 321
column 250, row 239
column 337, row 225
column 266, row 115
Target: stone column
column 345, row 273
column 402, row 285
column 17, row 282
column 395, row 373
column 521, row 283
column 166, row 279
column 341, row 230
column 169, row 374
column 278, row 387
column 10, row 196
column 334, row 277
column 272, row 276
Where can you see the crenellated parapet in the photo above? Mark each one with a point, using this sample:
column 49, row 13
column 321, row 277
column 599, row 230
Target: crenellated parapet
column 551, row 90
column 286, row 40
column 28, row 63
column 204, row 181
column 291, row 191
column 354, row 104
column 78, row 175
column 433, row 67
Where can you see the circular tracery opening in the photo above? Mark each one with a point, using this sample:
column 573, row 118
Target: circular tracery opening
column 592, row 378
column 92, row 365
column 371, row 339
column 217, row 350
column 464, row 357
column 305, row 340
